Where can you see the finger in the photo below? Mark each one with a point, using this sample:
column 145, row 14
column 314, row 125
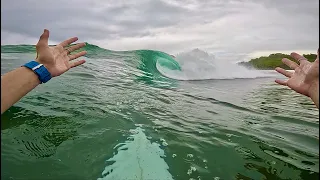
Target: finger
column 68, row 51
column 75, row 47
column 68, row 41
column 289, row 63
column 298, row 57
column 76, row 63
column 284, row 72
column 281, row 82
column 43, row 40
column 75, row 56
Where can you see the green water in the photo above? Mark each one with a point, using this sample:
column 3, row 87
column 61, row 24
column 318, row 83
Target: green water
column 118, row 117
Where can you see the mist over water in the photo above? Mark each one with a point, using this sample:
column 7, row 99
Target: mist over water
column 200, row 65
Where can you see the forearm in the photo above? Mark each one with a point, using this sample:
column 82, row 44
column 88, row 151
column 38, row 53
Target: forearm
column 16, row 84
column 314, row 93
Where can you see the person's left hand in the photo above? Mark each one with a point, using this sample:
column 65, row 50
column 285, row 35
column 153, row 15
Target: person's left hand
column 57, row 59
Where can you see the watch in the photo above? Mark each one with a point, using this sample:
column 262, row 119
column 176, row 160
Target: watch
column 42, row 72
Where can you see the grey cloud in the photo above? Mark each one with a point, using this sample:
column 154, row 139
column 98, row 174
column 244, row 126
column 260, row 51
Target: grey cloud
column 31, row 16
column 240, row 26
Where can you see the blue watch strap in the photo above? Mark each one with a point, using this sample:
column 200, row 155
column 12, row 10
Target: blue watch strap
column 42, row 72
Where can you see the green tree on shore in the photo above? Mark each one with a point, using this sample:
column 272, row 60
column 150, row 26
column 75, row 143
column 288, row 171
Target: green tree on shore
column 273, row 60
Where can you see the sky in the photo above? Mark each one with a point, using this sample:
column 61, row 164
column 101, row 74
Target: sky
column 253, row 27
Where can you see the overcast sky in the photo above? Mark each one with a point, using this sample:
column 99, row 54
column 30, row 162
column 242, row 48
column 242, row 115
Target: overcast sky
column 217, row 26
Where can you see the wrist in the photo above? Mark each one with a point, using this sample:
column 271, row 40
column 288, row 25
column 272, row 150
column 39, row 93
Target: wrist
column 314, row 88
column 314, row 92
column 40, row 70
column 46, row 65
column 32, row 77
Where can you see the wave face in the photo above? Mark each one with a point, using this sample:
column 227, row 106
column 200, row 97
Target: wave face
column 147, row 62
column 157, row 65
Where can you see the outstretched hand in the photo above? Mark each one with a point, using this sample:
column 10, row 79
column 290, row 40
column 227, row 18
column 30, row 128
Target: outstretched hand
column 57, row 59
column 305, row 77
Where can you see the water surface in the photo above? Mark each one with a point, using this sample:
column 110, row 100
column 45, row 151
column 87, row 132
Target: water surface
column 128, row 115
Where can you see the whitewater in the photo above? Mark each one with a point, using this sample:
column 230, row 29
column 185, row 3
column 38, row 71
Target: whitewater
column 200, row 65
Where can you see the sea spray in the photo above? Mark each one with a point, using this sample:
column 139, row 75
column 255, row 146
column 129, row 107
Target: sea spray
column 200, row 65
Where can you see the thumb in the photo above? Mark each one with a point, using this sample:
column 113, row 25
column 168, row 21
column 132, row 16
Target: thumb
column 44, row 38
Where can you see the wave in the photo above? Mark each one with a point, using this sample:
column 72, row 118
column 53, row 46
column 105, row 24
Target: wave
column 147, row 64
column 200, row 65
column 157, row 65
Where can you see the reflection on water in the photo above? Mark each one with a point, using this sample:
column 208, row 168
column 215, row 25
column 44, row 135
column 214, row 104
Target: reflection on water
column 137, row 158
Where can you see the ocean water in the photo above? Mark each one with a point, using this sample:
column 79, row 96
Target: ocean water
column 147, row 116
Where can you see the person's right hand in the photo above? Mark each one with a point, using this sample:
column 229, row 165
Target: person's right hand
column 305, row 76
column 57, row 59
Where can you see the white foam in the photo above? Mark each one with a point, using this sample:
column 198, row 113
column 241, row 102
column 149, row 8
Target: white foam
column 199, row 65
column 137, row 158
